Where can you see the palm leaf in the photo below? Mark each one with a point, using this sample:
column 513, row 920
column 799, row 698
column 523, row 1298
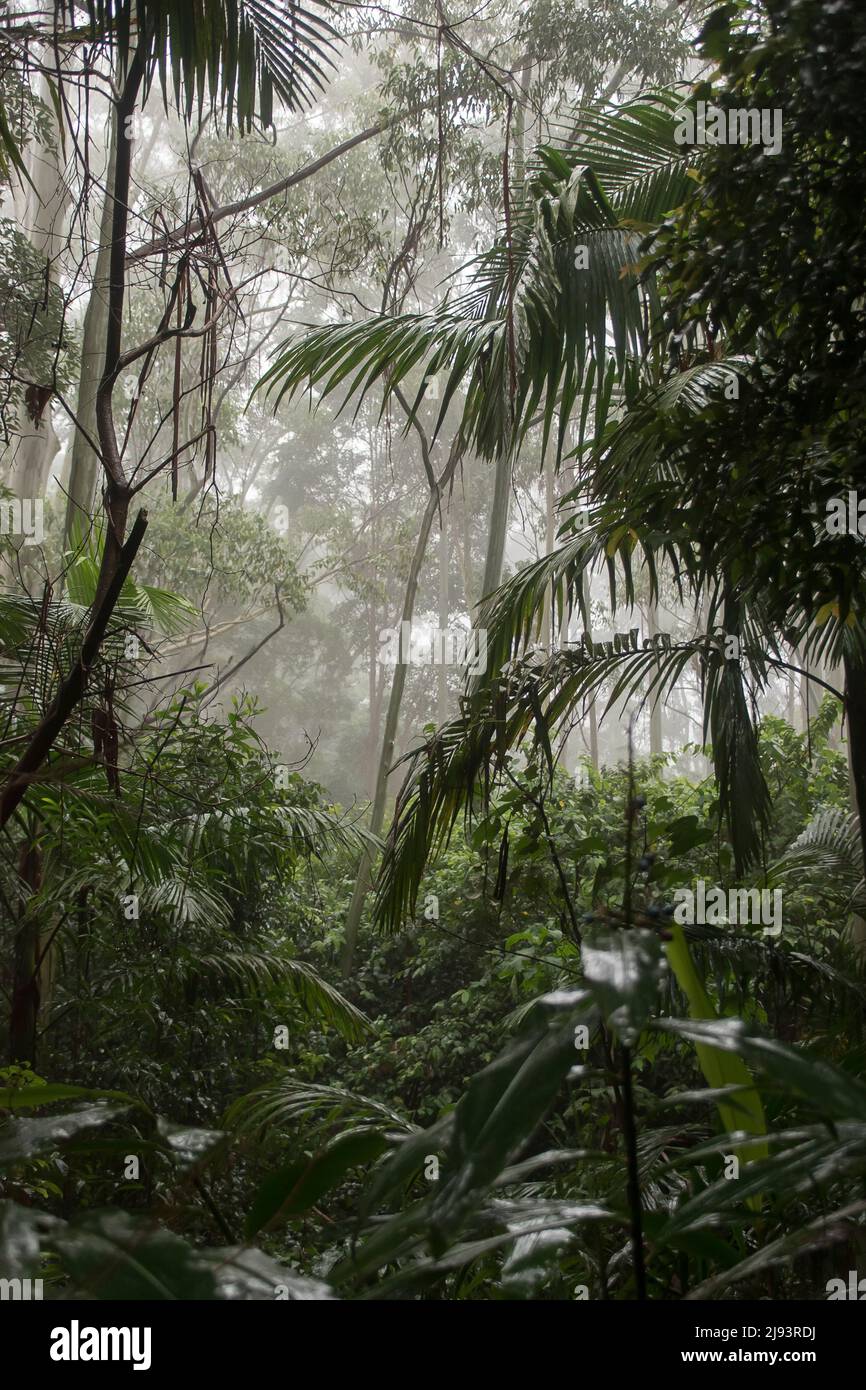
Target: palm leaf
column 238, row 54
column 253, row 970
column 315, row 1108
column 534, row 319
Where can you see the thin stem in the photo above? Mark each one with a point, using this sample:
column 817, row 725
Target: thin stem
column 630, row 1134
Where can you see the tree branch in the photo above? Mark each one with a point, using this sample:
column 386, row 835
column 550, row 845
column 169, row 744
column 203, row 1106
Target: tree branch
column 72, row 690
column 196, row 225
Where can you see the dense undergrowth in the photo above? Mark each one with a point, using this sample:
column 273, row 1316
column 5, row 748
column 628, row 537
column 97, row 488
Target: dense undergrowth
column 440, row 1132
column 522, row 1032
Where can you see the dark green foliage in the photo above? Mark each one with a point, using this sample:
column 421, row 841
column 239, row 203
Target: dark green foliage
column 545, row 1080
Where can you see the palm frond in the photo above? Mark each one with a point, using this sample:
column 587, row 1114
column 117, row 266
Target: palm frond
column 828, row 854
column 253, row 970
column 291, row 1104
column 532, row 695
column 560, row 294
column 238, row 54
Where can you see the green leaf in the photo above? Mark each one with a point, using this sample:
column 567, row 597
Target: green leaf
column 719, row 1068
column 504, row 1104
column 686, row 833
column 30, row 1097
column 24, row 1139
column 111, row 1255
column 830, row 1228
column 294, row 1189
column 828, row 1089
column 188, row 1144
column 243, row 1275
column 528, row 1265
column 623, row 969
column 801, row 1166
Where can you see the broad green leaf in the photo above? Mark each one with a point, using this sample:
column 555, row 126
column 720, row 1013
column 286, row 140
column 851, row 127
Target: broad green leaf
column 720, row 1068
column 188, row 1144
column 623, row 969
column 831, row 1091
column 504, row 1104
column 243, row 1275
column 111, row 1255
column 294, row 1189
column 24, row 1139
column 31, row 1097
column 831, row 1228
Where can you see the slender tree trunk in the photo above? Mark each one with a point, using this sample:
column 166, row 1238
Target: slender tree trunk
column 811, row 695
column 372, row 702
column 444, row 617
column 84, row 462
column 791, row 692
column 498, row 529
column 855, row 712
column 34, row 442
column 392, row 717
column 593, row 715
column 465, row 551
column 118, row 493
column 373, row 610
column 835, row 676
column 548, row 620
column 656, row 738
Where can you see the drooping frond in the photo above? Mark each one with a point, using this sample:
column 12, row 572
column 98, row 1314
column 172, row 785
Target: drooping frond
column 557, row 297
column 289, row 1103
column 828, row 853
column 239, row 54
column 253, row 970
column 531, row 697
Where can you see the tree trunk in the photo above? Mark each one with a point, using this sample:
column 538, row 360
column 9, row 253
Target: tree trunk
column 548, row 619
column 498, row 529
column 392, row 717
column 465, row 551
column 84, row 461
column 593, row 716
column 656, row 738
column 855, row 712
column 444, row 617
column 34, row 443
column 118, row 493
